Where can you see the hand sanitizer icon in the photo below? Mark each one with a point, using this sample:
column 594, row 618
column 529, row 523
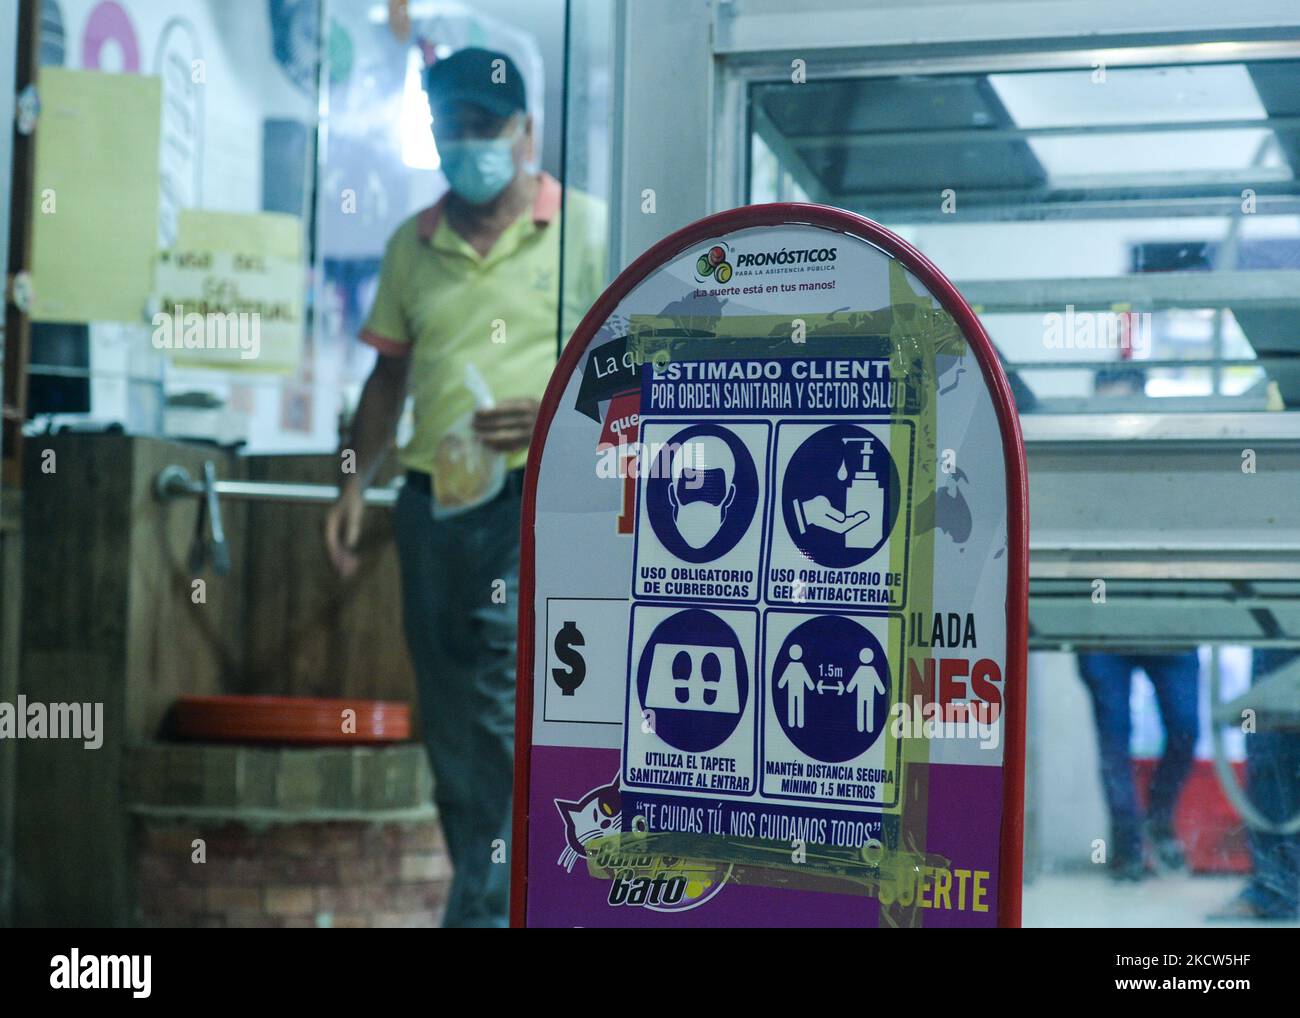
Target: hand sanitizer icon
column 865, row 493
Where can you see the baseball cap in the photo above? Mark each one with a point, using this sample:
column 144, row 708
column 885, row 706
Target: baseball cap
column 472, row 75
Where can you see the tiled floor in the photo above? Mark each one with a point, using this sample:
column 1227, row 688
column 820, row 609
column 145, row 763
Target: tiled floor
column 1088, row 899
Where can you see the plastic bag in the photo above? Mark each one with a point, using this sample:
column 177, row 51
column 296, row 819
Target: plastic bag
column 466, row 473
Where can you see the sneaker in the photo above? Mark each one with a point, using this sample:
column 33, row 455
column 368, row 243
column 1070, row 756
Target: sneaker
column 1129, row 870
column 1166, row 850
column 1242, row 907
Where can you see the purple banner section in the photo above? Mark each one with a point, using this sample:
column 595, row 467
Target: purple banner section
column 964, row 802
column 575, row 798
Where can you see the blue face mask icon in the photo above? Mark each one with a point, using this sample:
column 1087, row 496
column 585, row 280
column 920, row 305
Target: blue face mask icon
column 702, row 489
column 479, row 169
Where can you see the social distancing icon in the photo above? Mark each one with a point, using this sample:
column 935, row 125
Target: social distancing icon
column 829, row 687
column 833, row 677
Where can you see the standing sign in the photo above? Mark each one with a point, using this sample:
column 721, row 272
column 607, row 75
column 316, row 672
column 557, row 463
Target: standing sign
column 773, row 595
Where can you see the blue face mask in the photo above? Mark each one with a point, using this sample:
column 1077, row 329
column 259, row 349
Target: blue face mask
column 479, row 169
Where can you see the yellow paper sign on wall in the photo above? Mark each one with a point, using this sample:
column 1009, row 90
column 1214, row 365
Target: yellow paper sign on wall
column 277, row 234
column 230, row 296
column 95, row 220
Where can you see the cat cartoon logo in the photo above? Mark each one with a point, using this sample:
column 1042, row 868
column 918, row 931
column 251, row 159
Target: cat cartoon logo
column 595, row 815
column 675, row 885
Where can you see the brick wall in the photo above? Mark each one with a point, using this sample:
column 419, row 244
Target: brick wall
column 324, row 874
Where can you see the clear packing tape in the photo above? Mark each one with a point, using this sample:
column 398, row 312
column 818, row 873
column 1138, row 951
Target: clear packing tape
column 891, row 875
column 914, row 335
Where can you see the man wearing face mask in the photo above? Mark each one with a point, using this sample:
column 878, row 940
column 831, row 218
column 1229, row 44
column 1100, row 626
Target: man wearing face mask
column 465, row 318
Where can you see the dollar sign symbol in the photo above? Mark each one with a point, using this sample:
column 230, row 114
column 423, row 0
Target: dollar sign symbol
column 570, row 677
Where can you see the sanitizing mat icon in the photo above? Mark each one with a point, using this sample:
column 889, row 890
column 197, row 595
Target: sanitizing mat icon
column 688, row 677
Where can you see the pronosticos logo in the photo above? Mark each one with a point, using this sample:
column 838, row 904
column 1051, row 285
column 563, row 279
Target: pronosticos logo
column 715, row 263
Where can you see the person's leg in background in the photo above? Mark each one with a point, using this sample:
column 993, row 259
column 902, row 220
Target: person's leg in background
column 1108, row 678
column 1273, row 784
column 440, row 682
column 1176, row 678
column 447, row 577
column 493, row 630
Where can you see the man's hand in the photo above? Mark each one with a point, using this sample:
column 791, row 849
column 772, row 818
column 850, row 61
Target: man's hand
column 343, row 529
column 372, row 433
column 508, row 426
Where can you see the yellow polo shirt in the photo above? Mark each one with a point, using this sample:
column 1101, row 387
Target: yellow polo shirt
column 469, row 322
